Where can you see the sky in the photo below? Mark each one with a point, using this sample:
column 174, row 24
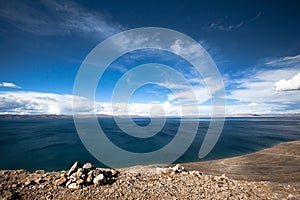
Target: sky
column 254, row 44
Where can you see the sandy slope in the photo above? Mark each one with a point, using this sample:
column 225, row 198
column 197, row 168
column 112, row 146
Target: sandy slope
column 280, row 163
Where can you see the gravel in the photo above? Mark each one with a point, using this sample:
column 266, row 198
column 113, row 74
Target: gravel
column 140, row 182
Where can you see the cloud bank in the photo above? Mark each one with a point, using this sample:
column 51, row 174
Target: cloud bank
column 49, row 103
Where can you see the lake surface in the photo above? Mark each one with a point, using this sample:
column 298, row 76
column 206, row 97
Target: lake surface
column 53, row 144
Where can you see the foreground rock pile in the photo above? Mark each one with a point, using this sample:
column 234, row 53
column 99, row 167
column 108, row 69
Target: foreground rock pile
column 80, row 176
column 140, row 182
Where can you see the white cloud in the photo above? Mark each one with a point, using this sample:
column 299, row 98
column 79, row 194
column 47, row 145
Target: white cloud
column 144, row 109
column 34, row 103
column 49, row 103
column 291, row 84
column 57, row 18
column 259, row 87
column 259, row 91
column 10, row 85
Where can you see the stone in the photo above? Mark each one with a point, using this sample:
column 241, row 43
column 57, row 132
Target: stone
column 89, row 178
column 79, row 172
column 40, row 171
column 100, row 179
column 79, row 181
column 291, row 197
column 114, row 172
column 29, row 182
column 73, row 186
column 88, row 166
column 39, row 180
column 73, row 177
column 74, row 168
column 61, row 181
column 220, row 184
column 83, row 176
column 178, row 168
column 68, row 183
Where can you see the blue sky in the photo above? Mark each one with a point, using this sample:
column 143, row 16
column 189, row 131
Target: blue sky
column 255, row 45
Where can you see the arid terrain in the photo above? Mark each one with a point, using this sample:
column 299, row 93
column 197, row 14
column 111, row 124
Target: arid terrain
column 280, row 163
column 269, row 174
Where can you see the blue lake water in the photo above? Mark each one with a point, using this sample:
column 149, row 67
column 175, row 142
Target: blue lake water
column 53, row 144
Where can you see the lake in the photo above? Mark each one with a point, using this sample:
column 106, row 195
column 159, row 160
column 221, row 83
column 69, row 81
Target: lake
column 53, row 144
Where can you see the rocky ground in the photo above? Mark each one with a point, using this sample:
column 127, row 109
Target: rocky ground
column 140, row 182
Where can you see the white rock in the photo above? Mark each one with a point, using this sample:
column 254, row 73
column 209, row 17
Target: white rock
column 100, row 179
column 68, row 183
column 73, row 186
column 74, row 168
column 88, row 166
column 178, row 168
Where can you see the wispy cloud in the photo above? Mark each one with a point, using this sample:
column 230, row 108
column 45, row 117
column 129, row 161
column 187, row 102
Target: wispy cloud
column 57, row 18
column 288, row 61
column 224, row 25
column 9, row 85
